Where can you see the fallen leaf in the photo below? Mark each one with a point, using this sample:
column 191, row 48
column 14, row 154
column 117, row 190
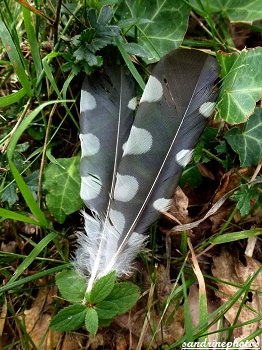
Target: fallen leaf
column 229, row 268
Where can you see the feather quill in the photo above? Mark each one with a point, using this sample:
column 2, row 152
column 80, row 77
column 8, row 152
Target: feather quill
column 141, row 173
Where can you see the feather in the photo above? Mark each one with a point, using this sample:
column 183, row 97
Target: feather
column 173, row 111
column 107, row 111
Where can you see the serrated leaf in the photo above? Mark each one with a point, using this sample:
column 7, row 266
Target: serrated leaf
column 105, row 15
column 71, row 285
column 243, row 197
column 166, row 27
column 135, row 49
column 69, row 319
column 62, row 183
column 91, row 321
column 248, row 142
column 242, row 84
column 32, row 182
column 9, row 195
column 107, row 309
column 125, row 295
column 247, row 11
column 102, row 288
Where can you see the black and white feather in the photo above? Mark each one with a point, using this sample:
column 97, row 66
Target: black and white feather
column 127, row 181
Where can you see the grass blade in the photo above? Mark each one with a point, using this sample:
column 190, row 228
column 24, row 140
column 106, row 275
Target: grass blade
column 28, row 197
column 8, row 214
column 14, row 56
column 12, row 98
column 12, row 285
column 130, row 64
column 31, row 36
column 31, row 257
column 25, row 124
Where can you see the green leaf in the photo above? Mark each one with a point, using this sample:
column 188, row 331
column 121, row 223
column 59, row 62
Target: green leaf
column 105, row 15
column 69, row 319
column 247, row 143
column 247, row 11
column 91, row 321
column 125, row 295
column 165, row 28
column 242, row 84
column 191, row 175
column 135, row 49
column 9, row 194
column 62, row 183
column 102, row 288
column 106, row 309
column 32, row 182
column 71, row 285
column 243, row 197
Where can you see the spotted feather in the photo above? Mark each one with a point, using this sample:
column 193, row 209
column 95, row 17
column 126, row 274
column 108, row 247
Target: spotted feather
column 173, row 111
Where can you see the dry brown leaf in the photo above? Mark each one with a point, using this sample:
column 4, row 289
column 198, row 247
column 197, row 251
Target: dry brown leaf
column 10, row 247
column 121, row 342
column 230, row 269
column 72, row 342
column 179, row 207
column 165, row 333
column 174, row 330
column 36, row 327
column 205, row 172
column 37, row 320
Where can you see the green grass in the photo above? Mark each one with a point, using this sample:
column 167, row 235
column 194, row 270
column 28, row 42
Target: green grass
column 40, row 86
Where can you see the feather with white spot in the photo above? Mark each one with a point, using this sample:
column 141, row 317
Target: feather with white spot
column 173, row 111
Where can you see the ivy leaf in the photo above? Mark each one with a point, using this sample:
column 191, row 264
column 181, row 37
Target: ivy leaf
column 71, row 285
column 91, row 321
column 102, row 288
column 248, row 143
column 247, row 11
column 124, row 295
column 164, row 28
column 191, row 175
column 69, row 319
column 242, row 84
column 62, row 183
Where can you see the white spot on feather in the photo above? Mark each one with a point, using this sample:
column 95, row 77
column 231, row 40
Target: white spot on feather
column 162, row 204
column 207, row 108
column 90, row 144
column 118, row 220
column 153, row 91
column 87, row 101
column 132, row 103
column 90, row 187
column 184, row 156
column 139, row 141
column 126, row 188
